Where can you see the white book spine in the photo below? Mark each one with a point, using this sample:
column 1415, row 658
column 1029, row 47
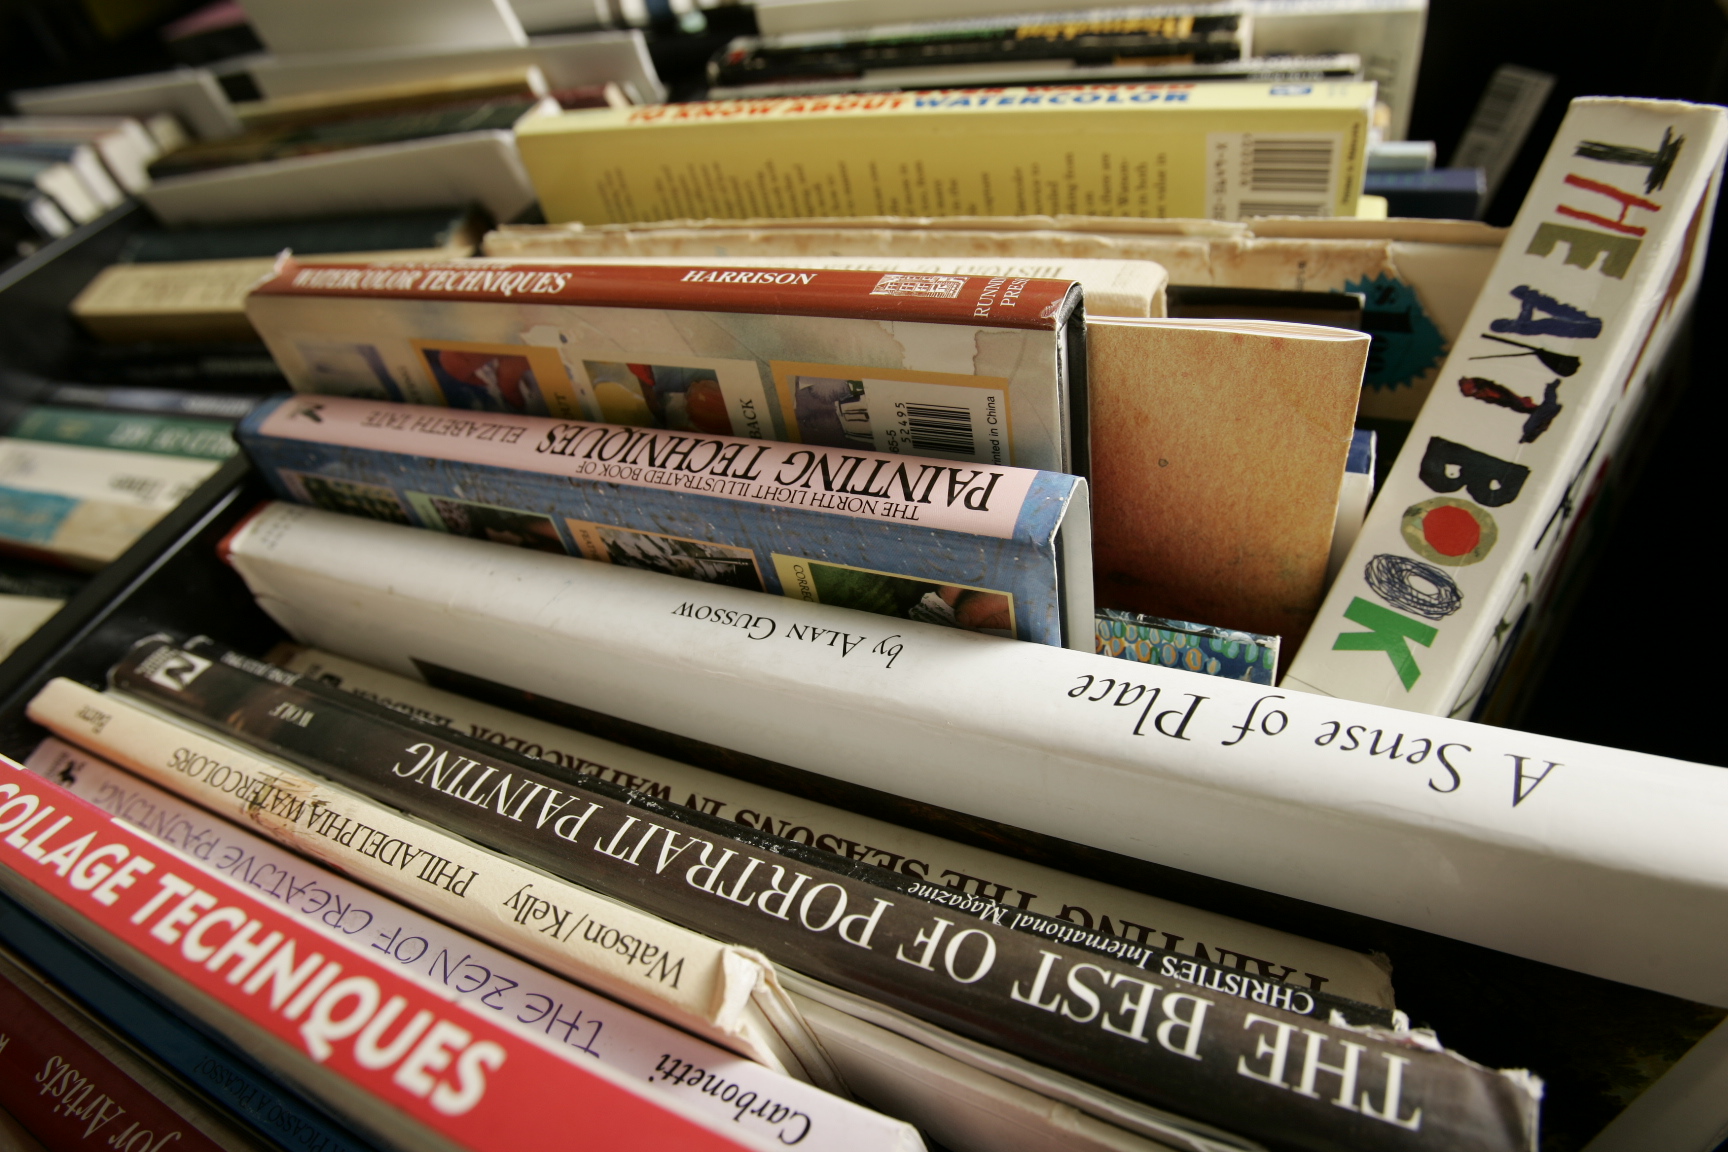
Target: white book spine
column 553, row 1013
column 1510, row 840
column 1604, row 255
column 725, row 994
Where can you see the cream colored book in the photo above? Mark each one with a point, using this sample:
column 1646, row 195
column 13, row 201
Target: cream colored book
column 1218, row 452
column 725, row 994
column 1135, row 150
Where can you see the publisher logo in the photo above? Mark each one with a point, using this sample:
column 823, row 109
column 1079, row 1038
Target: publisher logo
column 176, row 669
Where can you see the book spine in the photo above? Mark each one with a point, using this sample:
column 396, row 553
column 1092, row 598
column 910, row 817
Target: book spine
column 1165, row 1043
column 166, row 400
column 208, row 1064
column 1605, row 250
column 464, row 1079
column 218, row 702
column 1263, row 788
column 523, row 999
column 158, row 435
column 1192, row 933
column 946, row 153
column 713, row 990
column 66, row 1091
column 973, row 300
column 883, row 531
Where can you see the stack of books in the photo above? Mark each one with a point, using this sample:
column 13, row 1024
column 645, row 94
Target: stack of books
column 845, row 633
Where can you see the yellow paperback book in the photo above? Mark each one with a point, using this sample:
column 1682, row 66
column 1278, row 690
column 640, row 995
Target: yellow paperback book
column 1226, row 151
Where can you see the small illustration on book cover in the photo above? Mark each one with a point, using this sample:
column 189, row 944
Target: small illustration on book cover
column 719, row 397
column 888, row 594
column 343, row 369
column 940, row 414
column 673, row 555
column 489, row 522
column 499, row 377
column 349, row 497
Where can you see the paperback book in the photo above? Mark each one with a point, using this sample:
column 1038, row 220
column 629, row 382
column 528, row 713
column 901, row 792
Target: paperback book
column 986, row 369
column 1000, row 550
column 838, row 925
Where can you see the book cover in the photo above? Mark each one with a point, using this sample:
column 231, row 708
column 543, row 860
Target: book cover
column 997, row 876
column 84, row 506
column 1001, row 550
column 72, row 1086
column 1601, row 263
column 989, row 981
column 418, row 1068
column 1143, row 150
column 723, row 993
column 1218, row 453
column 982, row 368
column 494, row 985
column 1346, row 804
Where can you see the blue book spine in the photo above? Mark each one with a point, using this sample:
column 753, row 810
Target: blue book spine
column 826, row 525
column 253, row 1097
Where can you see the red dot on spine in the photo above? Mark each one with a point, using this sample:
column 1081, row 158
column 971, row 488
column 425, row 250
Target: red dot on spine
column 1450, row 530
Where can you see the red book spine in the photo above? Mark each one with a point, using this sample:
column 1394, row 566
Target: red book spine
column 69, row 1095
column 987, row 301
column 452, row 1071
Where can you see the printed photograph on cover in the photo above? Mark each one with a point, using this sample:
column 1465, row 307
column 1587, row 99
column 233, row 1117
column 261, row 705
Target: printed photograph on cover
column 499, row 377
column 674, row 555
column 889, row 594
column 349, row 497
column 719, row 397
column 489, row 522
column 346, row 369
column 940, row 414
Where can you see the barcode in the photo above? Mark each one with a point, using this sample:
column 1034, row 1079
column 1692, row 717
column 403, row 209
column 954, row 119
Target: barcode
column 939, row 428
column 1277, row 208
column 1289, row 164
column 1503, row 118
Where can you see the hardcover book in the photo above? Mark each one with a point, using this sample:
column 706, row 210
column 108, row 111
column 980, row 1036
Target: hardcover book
column 1145, row 150
column 1345, row 804
column 987, row 369
column 1532, row 403
column 999, row 550
column 999, row 876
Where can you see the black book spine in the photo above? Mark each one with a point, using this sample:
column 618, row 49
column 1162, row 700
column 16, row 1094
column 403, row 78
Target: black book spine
column 1290, row 1080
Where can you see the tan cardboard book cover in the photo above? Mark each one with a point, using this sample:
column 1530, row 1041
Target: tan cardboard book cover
column 1218, row 449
